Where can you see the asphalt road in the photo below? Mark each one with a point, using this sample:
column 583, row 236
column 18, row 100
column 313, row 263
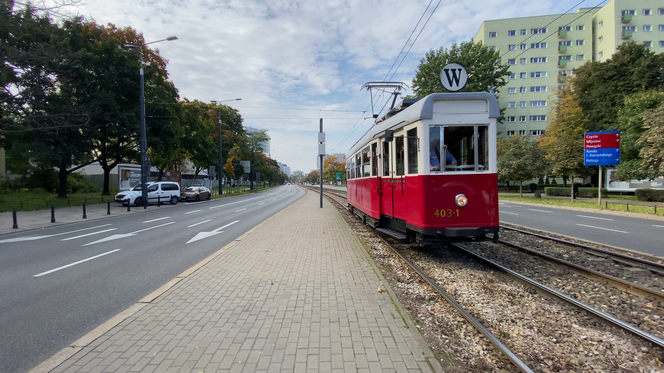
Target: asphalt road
column 644, row 235
column 59, row 283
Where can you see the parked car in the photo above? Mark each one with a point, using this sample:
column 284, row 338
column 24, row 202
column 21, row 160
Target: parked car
column 196, row 193
column 159, row 191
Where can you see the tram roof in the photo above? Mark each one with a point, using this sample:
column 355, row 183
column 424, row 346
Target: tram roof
column 423, row 109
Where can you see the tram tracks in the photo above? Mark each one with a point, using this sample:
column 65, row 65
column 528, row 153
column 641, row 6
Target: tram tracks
column 624, row 352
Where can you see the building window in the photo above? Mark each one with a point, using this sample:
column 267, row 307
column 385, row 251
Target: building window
column 512, row 47
column 523, row 104
column 537, row 118
column 580, row 42
column 510, row 133
column 512, row 76
column 538, row 31
column 538, row 45
column 580, row 27
column 600, row 54
column 538, row 60
column 566, row 58
column 568, row 28
column 661, row 43
column 647, row 12
column 537, row 103
column 511, row 61
column 632, row 12
column 629, row 28
column 524, row 32
column 565, row 42
column 600, row 39
column 647, row 44
column 492, row 91
column 600, row 24
column 522, row 61
column 511, row 90
column 511, row 104
column 492, row 34
column 660, row 11
column 580, row 57
column 522, row 89
column 492, row 47
column 561, row 87
column 538, row 74
column 537, row 132
column 523, row 75
column 511, row 119
column 538, row 88
column 661, row 27
column 523, row 46
column 522, row 132
column 511, row 33
column 647, row 28
column 522, row 118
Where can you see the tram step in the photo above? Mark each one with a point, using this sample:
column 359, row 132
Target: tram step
column 392, row 233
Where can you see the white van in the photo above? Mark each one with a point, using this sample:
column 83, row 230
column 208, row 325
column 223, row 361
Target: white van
column 160, row 191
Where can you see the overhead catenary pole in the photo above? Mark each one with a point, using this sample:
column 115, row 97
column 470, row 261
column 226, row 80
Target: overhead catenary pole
column 321, row 150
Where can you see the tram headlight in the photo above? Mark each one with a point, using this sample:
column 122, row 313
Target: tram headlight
column 461, row 200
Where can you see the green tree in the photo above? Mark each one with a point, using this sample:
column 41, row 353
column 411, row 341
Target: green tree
column 563, row 140
column 652, row 141
column 630, row 121
column 200, row 132
column 312, row 177
column 602, row 86
column 520, row 158
column 485, row 69
column 330, row 168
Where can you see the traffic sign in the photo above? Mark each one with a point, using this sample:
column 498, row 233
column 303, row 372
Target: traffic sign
column 602, row 148
column 453, row 77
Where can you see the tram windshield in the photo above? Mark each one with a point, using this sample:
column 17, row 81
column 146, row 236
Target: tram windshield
column 458, row 148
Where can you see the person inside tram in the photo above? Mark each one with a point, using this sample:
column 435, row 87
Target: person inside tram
column 434, row 156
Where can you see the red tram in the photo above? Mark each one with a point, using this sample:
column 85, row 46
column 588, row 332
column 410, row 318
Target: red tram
column 427, row 172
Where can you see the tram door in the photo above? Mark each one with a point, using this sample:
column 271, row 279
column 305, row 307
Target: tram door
column 393, row 171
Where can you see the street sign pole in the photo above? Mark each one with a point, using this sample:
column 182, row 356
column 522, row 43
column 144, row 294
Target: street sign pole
column 599, row 191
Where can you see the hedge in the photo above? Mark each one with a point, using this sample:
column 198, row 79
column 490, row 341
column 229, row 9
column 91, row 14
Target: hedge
column 566, row 192
column 653, row 195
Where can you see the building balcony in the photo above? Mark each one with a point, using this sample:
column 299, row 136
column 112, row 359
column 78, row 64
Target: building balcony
column 562, row 48
column 562, row 78
column 562, row 33
column 627, row 18
column 626, row 34
column 562, row 63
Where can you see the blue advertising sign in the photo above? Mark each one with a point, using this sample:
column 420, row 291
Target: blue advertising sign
column 602, row 148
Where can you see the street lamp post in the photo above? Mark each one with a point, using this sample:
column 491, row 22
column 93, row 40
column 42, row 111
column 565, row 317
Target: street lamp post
column 220, row 173
column 143, row 142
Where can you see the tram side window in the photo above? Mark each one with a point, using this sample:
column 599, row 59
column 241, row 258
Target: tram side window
column 386, row 159
column 412, row 151
column 483, row 148
column 459, row 148
column 399, row 155
column 374, row 162
column 434, row 148
column 366, row 167
column 348, row 170
column 358, row 166
column 351, row 166
column 460, row 144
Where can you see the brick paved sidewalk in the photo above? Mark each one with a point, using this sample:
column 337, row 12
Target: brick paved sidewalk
column 296, row 294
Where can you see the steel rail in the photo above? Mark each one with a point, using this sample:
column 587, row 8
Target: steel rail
column 510, row 355
column 645, row 335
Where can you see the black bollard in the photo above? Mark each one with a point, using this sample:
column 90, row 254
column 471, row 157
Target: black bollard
column 85, row 216
column 159, row 201
column 52, row 213
column 108, row 208
column 15, row 226
column 128, row 205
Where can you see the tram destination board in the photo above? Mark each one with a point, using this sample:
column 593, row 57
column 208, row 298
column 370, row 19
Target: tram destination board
column 602, row 148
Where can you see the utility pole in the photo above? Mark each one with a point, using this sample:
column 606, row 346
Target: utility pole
column 321, row 153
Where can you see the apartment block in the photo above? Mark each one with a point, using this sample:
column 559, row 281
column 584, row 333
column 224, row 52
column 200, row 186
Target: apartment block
column 543, row 51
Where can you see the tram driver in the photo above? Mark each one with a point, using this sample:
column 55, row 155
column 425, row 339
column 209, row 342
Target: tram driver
column 434, row 156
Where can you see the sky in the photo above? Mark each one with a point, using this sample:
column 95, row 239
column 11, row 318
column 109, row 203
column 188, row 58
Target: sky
column 294, row 62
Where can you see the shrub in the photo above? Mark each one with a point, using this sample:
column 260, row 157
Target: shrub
column 583, row 192
column 554, row 182
column 540, row 181
column 557, row 191
column 654, row 195
column 79, row 183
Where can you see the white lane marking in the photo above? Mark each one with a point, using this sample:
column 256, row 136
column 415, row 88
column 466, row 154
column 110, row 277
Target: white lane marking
column 75, row 263
column 202, row 235
column 658, row 226
column 262, row 203
column 605, row 229
column 88, row 234
column 594, row 217
column 225, row 226
column 202, row 222
column 510, row 213
column 191, row 212
column 234, row 203
column 539, row 210
column 125, row 235
column 241, row 209
column 33, row 238
column 154, row 220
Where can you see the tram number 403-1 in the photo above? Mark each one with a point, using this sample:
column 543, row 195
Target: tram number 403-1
column 447, row 213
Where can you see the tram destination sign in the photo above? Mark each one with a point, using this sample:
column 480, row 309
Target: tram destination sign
column 602, row 148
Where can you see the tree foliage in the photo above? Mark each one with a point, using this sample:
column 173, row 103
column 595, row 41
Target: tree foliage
column 520, row 158
column 330, row 168
column 652, row 141
column 603, row 86
column 485, row 69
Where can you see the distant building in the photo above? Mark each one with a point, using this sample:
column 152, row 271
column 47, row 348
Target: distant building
column 284, row 168
column 341, row 158
column 542, row 57
column 263, row 144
